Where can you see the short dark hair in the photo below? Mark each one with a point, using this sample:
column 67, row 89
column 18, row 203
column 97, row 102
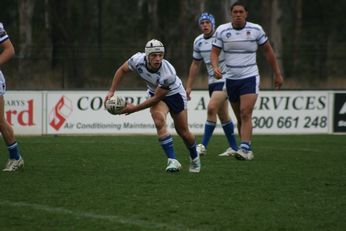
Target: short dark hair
column 238, row 4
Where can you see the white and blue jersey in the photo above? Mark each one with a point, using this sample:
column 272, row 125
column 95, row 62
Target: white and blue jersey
column 201, row 51
column 3, row 34
column 165, row 77
column 239, row 47
column 3, row 38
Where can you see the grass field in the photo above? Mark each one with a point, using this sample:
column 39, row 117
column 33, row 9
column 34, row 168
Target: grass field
column 119, row 183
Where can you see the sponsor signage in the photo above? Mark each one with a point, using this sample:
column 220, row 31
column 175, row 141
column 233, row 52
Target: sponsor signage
column 84, row 113
column 286, row 112
column 339, row 112
column 23, row 110
column 291, row 112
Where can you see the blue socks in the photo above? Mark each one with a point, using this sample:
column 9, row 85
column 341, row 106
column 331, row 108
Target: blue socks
column 167, row 146
column 192, row 150
column 228, row 128
column 13, row 151
column 209, row 128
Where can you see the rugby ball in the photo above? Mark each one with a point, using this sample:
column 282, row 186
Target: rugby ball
column 115, row 104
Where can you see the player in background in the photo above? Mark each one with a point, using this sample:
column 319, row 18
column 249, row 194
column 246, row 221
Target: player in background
column 218, row 104
column 166, row 95
column 239, row 41
column 15, row 161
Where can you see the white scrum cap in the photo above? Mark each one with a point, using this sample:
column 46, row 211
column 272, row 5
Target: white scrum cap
column 153, row 46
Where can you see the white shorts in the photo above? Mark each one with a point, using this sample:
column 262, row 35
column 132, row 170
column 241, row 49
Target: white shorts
column 2, row 84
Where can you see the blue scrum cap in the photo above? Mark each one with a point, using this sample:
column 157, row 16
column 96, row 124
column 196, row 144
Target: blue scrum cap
column 205, row 16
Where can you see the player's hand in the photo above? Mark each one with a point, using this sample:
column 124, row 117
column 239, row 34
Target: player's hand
column 108, row 96
column 278, row 81
column 188, row 93
column 130, row 108
column 217, row 73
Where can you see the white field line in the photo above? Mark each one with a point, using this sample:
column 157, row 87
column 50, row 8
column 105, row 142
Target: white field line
column 292, row 149
column 111, row 218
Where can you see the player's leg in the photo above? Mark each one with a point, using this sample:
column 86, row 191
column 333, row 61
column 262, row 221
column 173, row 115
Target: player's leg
column 226, row 122
column 181, row 126
column 15, row 161
column 236, row 109
column 5, row 127
column 248, row 95
column 247, row 103
column 159, row 115
column 210, row 124
column 212, row 109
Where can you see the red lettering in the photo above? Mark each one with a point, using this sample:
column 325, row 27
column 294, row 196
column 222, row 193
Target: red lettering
column 27, row 114
column 58, row 120
column 9, row 116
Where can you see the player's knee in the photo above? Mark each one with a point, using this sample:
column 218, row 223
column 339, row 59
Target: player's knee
column 159, row 119
column 224, row 118
column 212, row 109
column 5, row 128
column 245, row 113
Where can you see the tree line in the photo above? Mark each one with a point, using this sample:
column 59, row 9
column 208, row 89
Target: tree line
column 62, row 44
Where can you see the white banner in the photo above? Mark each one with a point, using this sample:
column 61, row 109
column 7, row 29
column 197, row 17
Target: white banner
column 285, row 112
column 83, row 113
column 289, row 112
column 24, row 110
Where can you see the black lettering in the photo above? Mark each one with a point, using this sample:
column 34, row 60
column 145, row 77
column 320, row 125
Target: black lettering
column 96, row 103
column 322, row 102
column 79, row 103
column 310, row 103
column 201, row 104
column 264, row 103
column 295, row 103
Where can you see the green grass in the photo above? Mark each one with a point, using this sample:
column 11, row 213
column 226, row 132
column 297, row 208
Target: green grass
column 119, row 183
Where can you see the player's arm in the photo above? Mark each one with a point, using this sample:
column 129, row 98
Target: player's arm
column 124, row 68
column 270, row 56
column 7, row 53
column 194, row 69
column 160, row 93
column 214, row 59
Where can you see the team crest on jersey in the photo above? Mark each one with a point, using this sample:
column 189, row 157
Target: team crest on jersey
column 228, row 35
column 139, row 70
column 199, row 44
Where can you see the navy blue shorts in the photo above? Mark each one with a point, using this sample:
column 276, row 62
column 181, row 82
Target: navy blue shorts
column 236, row 88
column 218, row 86
column 174, row 102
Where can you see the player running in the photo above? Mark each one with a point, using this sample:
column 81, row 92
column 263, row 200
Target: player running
column 166, row 95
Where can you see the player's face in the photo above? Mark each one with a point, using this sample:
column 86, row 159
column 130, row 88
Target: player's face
column 206, row 27
column 155, row 60
column 239, row 15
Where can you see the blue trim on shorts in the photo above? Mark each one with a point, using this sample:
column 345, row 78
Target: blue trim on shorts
column 236, row 88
